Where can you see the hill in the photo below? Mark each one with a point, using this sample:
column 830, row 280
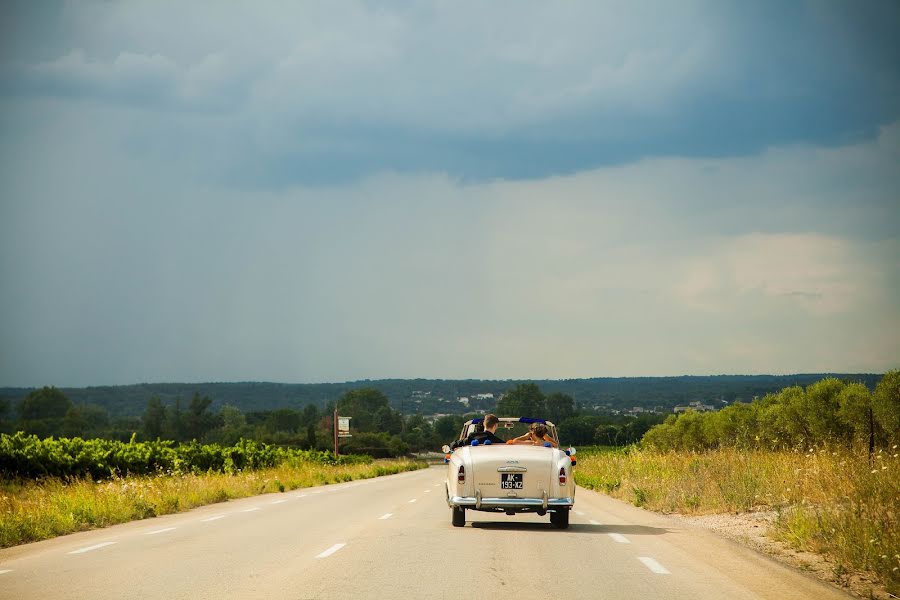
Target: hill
column 431, row 396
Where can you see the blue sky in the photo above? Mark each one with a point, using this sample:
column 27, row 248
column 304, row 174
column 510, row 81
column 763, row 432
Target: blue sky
column 322, row 192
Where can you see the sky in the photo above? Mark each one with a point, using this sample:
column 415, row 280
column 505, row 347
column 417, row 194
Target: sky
column 314, row 192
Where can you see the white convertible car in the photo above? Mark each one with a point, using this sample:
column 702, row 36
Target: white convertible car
column 510, row 479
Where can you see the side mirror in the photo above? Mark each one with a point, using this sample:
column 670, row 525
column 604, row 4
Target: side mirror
column 571, row 451
column 445, row 448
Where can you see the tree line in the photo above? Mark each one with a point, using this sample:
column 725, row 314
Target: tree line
column 377, row 428
column 829, row 411
column 440, row 395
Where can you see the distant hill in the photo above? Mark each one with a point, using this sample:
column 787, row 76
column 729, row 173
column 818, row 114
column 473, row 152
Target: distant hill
column 430, row 396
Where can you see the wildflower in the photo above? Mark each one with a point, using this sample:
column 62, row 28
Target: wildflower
column 874, row 470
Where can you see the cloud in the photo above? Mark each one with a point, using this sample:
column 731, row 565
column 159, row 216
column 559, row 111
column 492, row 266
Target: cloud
column 781, row 262
column 312, row 93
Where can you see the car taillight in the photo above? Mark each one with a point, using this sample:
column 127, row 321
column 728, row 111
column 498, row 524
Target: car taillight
column 562, row 476
column 461, row 475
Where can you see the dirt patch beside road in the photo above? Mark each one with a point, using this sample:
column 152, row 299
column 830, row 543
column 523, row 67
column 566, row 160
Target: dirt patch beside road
column 752, row 529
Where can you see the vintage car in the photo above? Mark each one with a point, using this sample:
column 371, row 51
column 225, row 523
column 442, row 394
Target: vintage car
column 510, row 479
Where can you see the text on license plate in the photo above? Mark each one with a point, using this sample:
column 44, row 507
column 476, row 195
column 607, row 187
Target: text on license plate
column 511, row 481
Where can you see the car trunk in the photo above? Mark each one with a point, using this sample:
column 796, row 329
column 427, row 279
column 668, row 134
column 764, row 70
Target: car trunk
column 534, row 463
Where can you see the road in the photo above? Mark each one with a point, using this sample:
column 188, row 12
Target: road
column 391, row 538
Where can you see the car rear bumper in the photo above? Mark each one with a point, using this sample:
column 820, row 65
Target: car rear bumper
column 510, row 503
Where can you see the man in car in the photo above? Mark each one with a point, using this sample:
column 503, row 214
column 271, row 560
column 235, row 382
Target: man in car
column 491, row 422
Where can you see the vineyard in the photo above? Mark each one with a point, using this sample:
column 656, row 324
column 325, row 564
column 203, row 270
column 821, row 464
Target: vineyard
column 27, row 456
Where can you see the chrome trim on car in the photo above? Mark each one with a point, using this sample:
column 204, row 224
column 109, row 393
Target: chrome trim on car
column 479, row 502
column 512, row 469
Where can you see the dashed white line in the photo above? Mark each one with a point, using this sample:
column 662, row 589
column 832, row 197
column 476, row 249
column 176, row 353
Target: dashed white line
column 413, row 500
column 278, row 502
column 620, row 538
column 331, row 551
column 90, row 548
column 593, row 522
column 215, row 518
column 386, row 516
column 653, row 565
column 160, row 531
column 4, row 571
column 300, row 496
column 579, row 513
column 317, row 492
column 427, row 491
column 255, row 508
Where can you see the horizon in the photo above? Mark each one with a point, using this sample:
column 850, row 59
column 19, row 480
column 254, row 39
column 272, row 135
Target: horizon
column 332, row 193
column 487, row 380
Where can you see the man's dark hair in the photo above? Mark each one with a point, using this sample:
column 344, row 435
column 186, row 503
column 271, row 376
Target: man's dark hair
column 490, row 420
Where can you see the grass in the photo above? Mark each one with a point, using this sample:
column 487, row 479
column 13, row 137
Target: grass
column 831, row 502
column 37, row 510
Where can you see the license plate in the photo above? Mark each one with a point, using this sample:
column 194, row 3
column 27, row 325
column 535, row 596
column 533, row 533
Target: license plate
column 511, row 481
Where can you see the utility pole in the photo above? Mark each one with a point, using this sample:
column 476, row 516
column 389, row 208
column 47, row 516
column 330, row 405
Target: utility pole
column 335, row 428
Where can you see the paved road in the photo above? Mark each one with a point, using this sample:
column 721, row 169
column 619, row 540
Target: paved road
column 391, row 538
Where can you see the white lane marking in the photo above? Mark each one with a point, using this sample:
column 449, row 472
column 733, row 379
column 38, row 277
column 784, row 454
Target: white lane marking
column 386, row 516
column 620, row 538
column 4, row 571
column 300, row 496
column 278, row 502
column 413, row 500
column 317, row 492
column 160, row 531
column 579, row 513
column 215, row 518
column 653, row 565
column 435, row 485
column 427, row 491
column 331, row 550
column 90, row 548
column 255, row 508
column 593, row 522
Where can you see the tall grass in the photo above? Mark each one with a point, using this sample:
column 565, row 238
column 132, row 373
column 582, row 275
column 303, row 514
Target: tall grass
column 36, row 510
column 831, row 502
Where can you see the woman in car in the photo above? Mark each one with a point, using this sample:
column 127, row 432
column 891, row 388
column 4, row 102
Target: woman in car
column 537, row 435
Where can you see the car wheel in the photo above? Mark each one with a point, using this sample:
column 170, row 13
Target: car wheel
column 459, row 516
column 560, row 519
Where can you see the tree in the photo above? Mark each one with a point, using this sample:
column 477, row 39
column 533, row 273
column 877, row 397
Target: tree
column 388, row 420
column 855, row 414
column 310, row 415
column 362, row 404
column 85, row 420
column 198, row 420
column 524, row 400
column 283, row 419
column 821, row 410
column 559, row 407
column 886, row 404
column 45, row 403
column 154, row 420
column 447, row 428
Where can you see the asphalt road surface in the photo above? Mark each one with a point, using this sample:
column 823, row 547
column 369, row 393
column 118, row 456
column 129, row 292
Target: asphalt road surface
column 391, row 538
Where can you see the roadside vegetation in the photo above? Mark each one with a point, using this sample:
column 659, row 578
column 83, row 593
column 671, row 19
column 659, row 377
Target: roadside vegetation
column 378, row 429
column 824, row 459
column 52, row 487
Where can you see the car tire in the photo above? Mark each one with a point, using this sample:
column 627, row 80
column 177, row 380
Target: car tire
column 458, row 516
column 560, row 519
